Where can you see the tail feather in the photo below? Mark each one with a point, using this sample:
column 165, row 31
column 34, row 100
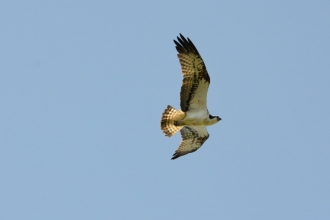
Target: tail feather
column 169, row 116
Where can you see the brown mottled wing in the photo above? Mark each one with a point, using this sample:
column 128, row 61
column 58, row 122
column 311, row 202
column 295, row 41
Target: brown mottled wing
column 196, row 80
column 193, row 138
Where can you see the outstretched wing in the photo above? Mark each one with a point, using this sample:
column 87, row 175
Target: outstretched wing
column 193, row 138
column 196, row 80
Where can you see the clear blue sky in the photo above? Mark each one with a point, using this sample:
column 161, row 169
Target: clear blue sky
column 83, row 85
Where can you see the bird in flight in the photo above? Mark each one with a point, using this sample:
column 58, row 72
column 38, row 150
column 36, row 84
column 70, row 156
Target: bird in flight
column 194, row 116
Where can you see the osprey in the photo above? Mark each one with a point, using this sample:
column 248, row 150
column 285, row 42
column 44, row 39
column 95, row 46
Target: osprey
column 194, row 116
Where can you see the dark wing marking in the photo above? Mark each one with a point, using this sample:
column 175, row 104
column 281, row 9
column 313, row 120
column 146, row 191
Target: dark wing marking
column 196, row 80
column 193, row 138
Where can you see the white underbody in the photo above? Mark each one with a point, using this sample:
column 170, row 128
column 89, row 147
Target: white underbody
column 200, row 118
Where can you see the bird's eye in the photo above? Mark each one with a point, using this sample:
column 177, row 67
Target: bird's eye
column 211, row 117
